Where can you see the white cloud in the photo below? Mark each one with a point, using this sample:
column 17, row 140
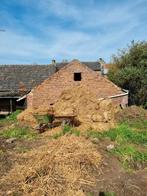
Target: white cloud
column 96, row 31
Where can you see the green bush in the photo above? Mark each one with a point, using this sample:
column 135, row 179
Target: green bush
column 129, row 71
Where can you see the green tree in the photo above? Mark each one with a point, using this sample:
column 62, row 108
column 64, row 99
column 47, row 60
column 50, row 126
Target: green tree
column 129, row 71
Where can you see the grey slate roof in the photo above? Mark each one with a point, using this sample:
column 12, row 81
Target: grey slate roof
column 93, row 65
column 12, row 77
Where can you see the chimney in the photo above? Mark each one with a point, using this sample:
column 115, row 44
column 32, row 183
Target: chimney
column 102, row 66
column 54, row 65
column 54, row 62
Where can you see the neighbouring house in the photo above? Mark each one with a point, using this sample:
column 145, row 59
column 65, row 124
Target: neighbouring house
column 31, row 86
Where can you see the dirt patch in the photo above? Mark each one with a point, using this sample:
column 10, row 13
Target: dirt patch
column 136, row 183
column 6, row 159
column 115, row 179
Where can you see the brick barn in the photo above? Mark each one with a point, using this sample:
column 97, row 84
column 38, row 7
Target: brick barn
column 74, row 73
column 33, row 85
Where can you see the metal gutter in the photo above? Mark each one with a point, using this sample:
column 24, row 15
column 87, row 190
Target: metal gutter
column 21, row 98
column 120, row 95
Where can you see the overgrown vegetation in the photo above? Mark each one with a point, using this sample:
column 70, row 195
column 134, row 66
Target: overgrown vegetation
column 67, row 130
column 129, row 71
column 129, row 144
column 18, row 132
column 12, row 118
column 134, row 116
column 14, row 130
column 129, row 155
column 44, row 118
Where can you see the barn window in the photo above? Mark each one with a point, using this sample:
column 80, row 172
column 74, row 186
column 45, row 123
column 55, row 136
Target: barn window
column 77, row 76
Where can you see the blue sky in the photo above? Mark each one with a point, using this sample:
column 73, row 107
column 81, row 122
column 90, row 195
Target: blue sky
column 38, row 31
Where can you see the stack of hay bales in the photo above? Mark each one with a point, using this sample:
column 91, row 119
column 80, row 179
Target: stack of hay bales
column 62, row 167
column 78, row 101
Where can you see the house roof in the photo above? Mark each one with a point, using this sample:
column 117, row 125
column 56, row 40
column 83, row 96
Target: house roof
column 93, row 65
column 16, row 80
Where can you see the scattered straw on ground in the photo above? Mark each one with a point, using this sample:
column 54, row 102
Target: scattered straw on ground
column 63, row 167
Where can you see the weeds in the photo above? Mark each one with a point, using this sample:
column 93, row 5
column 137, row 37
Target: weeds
column 90, row 194
column 138, row 124
column 18, row 133
column 44, row 118
column 13, row 116
column 57, row 135
column 123, row 133
column 67, row 130
column 127, row 140
column 109, row 194
column 129, row 155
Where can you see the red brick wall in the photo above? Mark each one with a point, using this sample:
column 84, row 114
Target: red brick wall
column 49, row 91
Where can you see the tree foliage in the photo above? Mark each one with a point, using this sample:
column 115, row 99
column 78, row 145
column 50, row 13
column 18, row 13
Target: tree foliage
column 129, row 71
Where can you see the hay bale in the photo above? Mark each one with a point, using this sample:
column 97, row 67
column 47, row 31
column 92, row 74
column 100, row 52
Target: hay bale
column 63, row 167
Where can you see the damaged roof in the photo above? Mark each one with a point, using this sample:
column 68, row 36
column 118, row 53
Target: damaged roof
column 17, row 80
